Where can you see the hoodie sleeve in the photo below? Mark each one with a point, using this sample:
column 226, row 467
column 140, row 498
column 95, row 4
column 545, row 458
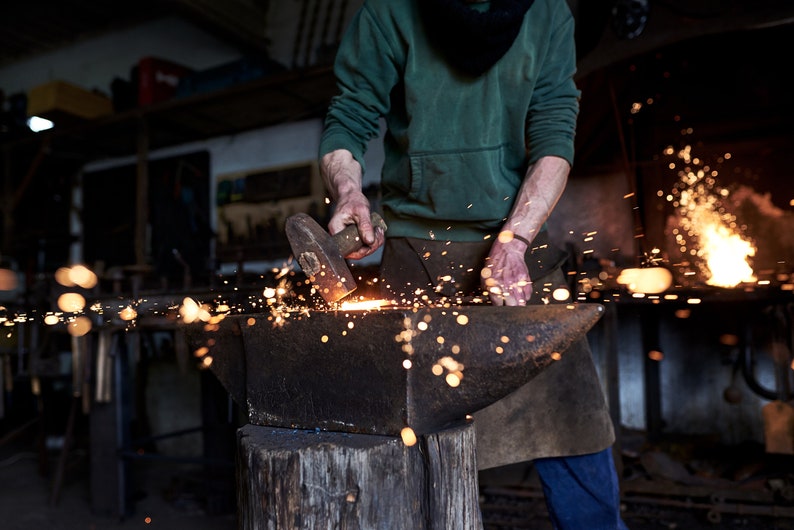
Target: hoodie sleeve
column 551, row 123
column 366, row 70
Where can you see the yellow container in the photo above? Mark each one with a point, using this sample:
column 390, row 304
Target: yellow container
column 52, row 100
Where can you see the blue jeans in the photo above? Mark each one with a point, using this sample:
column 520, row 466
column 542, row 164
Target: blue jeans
column 581, row 492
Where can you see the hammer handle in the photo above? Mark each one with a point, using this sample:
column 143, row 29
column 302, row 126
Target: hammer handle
column 349, row 240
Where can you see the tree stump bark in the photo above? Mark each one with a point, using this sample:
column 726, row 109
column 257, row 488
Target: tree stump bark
column 317, row 480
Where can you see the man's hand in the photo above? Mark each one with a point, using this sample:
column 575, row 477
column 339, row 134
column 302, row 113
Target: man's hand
column 505, row 275
column 354, row 208
column 342, row 176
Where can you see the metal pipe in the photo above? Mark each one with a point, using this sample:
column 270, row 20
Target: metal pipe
column 104, row 367
column 78, row 358
column 747, row 360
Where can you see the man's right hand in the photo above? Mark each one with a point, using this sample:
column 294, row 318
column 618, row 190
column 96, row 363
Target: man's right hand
column 355, row 209
column 342, row 176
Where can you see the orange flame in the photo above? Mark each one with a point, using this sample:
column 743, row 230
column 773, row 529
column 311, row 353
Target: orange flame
column 722, row 251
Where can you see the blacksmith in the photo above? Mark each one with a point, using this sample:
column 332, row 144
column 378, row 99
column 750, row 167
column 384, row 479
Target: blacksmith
column 480, row 108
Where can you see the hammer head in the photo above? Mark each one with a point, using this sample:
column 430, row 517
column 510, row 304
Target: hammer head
column 320, row 258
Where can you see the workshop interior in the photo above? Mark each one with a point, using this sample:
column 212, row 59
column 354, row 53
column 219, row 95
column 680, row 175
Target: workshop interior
column 154, row 152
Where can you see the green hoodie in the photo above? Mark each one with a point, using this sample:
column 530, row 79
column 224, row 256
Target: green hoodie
column 456, row 147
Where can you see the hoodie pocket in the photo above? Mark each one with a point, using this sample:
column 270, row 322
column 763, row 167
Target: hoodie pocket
column 471, row 185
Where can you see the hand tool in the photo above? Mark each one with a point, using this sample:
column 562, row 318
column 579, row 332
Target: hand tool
column 322, row 256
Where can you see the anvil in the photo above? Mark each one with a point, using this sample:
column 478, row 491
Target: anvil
column 378, row 371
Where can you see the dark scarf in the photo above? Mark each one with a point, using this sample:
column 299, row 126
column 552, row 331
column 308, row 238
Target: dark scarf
column 472, row 41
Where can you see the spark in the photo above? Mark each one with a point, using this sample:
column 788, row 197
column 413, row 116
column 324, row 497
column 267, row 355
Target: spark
column 408, row 436
column 128, row 313
column 79, row 326
column 561, row 294
column 71, row 302
column 453, row 380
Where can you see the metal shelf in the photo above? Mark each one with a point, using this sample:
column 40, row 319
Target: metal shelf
column 278, row 98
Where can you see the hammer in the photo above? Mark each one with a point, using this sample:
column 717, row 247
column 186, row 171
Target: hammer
column 322, row 256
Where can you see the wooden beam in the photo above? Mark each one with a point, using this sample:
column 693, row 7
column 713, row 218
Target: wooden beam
column 668, row 25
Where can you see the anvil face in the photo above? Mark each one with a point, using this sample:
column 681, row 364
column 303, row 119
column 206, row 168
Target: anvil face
column 377, row 372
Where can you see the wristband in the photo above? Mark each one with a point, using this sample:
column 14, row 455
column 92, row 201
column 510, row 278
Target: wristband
column 522, row 239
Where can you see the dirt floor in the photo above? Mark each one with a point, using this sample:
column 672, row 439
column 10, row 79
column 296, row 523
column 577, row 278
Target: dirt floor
column 685, row 484
column 678, row 483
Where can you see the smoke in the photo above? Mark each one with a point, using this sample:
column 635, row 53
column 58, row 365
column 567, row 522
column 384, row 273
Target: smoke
column 770, row 227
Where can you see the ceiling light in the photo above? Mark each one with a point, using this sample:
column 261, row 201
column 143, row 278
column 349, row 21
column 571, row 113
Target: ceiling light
column 37, row 124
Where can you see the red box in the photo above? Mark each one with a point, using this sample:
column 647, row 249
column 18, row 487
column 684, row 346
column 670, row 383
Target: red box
column 158, row 79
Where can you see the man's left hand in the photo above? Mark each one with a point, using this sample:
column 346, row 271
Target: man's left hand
column 505, row 275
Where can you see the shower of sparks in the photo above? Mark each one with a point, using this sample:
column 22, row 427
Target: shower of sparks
column 275, row 305
column 77, row 317
column 707, row 232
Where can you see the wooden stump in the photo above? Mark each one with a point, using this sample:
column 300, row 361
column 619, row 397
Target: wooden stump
column 316, row 480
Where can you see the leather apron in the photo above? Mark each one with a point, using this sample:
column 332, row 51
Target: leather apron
column 562, row 411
